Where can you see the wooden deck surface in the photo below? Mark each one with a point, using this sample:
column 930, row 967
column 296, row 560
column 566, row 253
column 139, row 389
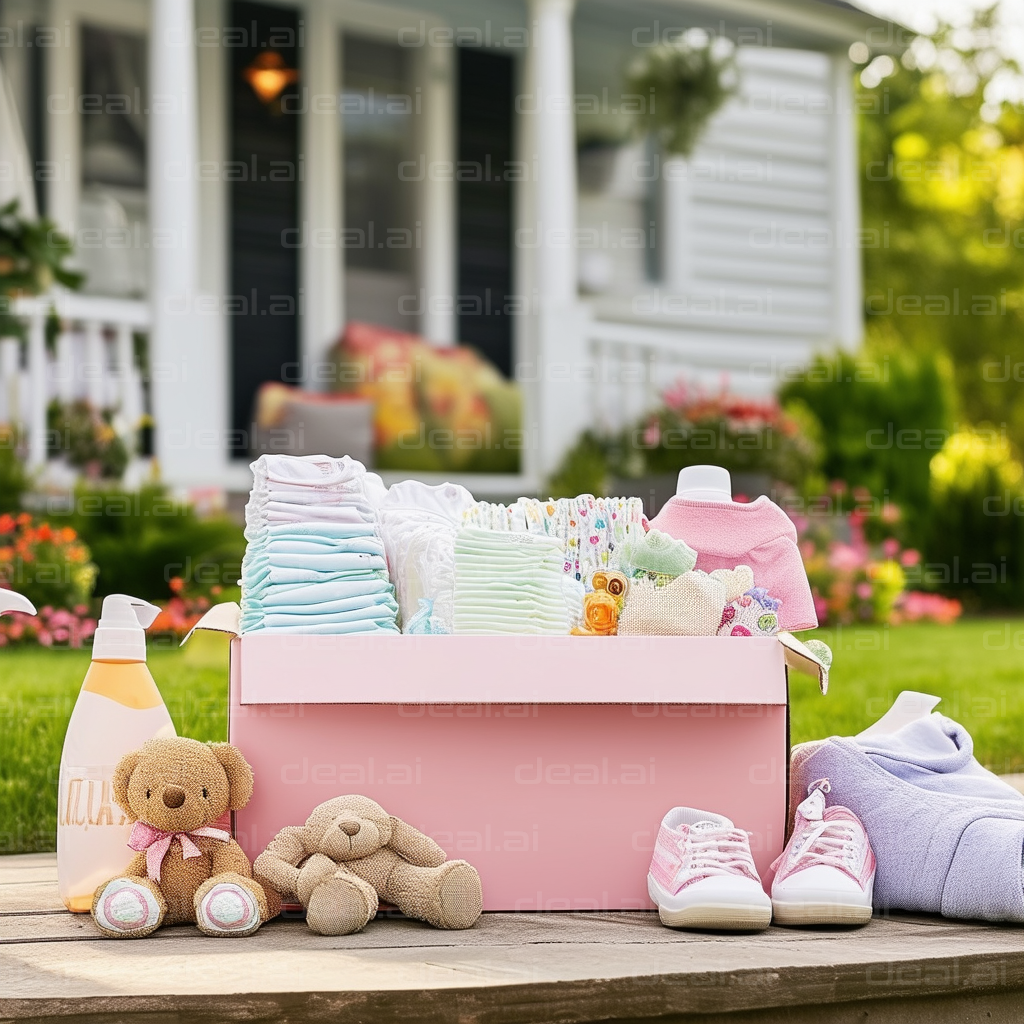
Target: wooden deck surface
column 510, row 968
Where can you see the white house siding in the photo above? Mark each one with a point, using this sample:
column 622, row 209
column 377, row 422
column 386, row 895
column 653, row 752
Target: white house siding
column 759, row 261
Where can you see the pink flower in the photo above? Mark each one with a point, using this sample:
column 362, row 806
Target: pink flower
column 864, row 591
column 910, row 557
column 44, row 638
column 891, row 547
column 845, row 557
column 890, row 513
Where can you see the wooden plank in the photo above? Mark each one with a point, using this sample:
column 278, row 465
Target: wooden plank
column 509, row 969
column 25, row 897
column 28, row 867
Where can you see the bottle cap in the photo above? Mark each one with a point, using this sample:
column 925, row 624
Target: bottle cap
column 121, row 631
column 10, row 601
column 704, row 483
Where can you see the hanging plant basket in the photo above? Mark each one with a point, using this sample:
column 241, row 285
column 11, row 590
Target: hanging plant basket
column 683, row 82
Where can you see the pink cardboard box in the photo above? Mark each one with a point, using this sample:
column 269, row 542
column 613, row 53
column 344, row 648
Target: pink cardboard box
column 547, row 762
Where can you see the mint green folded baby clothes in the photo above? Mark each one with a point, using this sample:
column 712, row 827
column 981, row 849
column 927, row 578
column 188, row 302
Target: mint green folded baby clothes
column 509, row 583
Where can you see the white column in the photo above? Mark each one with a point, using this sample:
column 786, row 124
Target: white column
column 436, row 142
column 187, row 399
column 554, row 366
column 847, row 275
column 95, row 368
column 64, row 367
column 674, row 229
column 321, row 256
column 37, row 390
column 63, row 121
column 129, row 396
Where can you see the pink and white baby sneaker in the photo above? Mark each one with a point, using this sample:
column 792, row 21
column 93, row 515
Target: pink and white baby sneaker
column 703, row 876
column 826, row 873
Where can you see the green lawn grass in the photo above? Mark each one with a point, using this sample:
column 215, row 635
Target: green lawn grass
column 977, row 667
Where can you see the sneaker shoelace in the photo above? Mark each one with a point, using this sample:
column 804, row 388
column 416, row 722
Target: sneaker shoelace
column 833, row 844
column 718, row 852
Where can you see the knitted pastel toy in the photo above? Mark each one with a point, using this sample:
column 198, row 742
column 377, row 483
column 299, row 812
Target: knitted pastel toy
column 689, row 605
column 657, row 556
column 755, row 613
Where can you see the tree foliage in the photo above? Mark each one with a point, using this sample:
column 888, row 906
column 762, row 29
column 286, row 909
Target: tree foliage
column 943, row 202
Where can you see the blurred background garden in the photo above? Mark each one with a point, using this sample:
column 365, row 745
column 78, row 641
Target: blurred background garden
column 900, row 464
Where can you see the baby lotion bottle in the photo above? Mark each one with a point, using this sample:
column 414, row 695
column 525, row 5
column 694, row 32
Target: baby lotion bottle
column 118, row 709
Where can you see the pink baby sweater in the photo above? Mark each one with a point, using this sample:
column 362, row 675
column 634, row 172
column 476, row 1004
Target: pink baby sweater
column 758, row 534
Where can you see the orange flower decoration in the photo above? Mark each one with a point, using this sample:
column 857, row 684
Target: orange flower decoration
column 600, row 615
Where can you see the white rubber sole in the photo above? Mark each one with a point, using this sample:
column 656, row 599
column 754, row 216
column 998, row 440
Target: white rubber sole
column 717, row 917
column 796, row 914
column 711, row 914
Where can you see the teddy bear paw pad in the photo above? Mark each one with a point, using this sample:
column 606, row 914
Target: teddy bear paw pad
column 127, row 908
column 228, row 909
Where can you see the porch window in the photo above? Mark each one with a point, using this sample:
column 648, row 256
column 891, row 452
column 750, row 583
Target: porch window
column 113, row 215
column 377, row 117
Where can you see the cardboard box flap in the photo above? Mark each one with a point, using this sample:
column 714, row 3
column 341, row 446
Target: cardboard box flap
column 221, row 618
column 801, row 658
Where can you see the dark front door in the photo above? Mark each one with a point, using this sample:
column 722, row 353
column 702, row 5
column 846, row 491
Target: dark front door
column 263, row 172
column 486, row 96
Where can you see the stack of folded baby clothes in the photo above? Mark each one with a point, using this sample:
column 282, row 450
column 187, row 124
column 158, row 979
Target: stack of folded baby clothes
column 314, row 562
column 418, row 525
column 510, row 583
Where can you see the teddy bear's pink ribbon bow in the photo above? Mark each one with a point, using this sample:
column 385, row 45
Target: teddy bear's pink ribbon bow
column 156, row 842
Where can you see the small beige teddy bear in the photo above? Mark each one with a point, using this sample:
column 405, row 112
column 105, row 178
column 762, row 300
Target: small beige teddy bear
column 350, row 853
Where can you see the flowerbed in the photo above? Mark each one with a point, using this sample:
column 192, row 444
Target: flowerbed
column 860, row 577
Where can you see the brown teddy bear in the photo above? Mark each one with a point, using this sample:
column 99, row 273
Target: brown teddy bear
column 350, row 852
column 185, row 870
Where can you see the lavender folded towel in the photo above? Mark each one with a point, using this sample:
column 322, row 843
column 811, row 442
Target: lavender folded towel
column 948, row 835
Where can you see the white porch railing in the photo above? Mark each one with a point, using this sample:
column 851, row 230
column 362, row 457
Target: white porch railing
column 93, row 359
column 632, row 364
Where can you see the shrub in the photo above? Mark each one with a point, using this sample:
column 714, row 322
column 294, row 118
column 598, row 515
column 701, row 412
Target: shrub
column 744, row 435
column 140, row 540
column 882, row 420
column 694, row 427
column 14, row 481
column 88, row 441
column 48, row 564
column 584, row 470
column 975, row 539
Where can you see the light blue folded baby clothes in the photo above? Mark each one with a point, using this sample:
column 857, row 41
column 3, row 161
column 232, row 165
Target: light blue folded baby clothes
column 314, row 561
